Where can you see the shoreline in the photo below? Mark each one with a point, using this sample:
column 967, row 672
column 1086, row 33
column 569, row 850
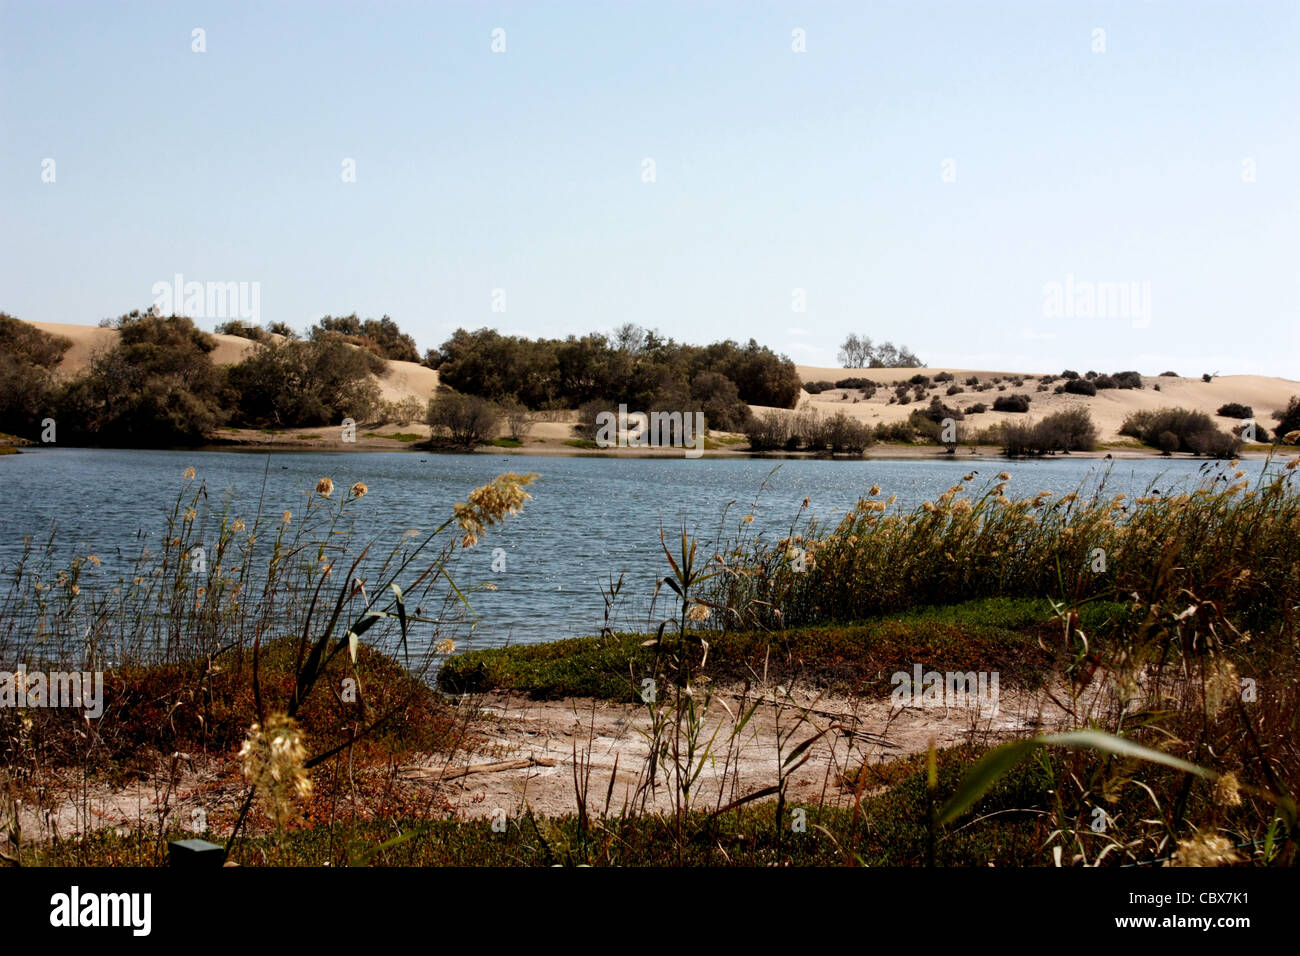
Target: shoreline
column 549, row 450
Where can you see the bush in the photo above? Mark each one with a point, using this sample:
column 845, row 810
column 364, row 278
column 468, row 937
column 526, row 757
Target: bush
column 919, row 379
column 519, row 420
column 1064, row 431
column 30, row 345
column 409, row 409
column 1288, row 419
column 816, row 388
column 1018, row 440
column 944, row 377
column 1207, row 377
column 1194, row 430
column 1214, row 444
column 768, row 432
column 1080, row 386
column 242, row 330
column 467, row 419
column 856, row 382
column 381, row 337
column 895, row 432
column 846, row 435
column 937, row 411
column 955, row 389
column 979, row 408
column 1169, row 375
column 1104, row 381
column 1011, row 403
column 1070, row 374
column 1127, row 379
column 1068, row 430
column 973, row 381
column 1261, row 432
column 1235, row 410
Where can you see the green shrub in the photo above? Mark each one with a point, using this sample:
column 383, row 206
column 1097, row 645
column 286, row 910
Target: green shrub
column 1194, row 430
column 1235, row 410
column 466, row 420
column 1011, row 403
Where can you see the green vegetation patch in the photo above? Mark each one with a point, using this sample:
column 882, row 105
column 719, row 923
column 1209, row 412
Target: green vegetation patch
column 999, row 634
column 193, row 708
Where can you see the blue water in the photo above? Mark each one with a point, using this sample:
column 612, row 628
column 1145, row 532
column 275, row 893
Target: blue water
column 590, row 518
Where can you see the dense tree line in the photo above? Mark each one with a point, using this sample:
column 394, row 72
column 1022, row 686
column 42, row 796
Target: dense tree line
column 157, row 384
column 633, row 366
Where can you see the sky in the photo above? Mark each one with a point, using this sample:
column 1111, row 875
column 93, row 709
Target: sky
column 962, row 178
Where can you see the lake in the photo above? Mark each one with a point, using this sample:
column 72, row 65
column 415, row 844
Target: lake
column 590, row 517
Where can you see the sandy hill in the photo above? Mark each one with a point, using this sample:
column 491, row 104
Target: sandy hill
column 401, row 379
column 1108, row 408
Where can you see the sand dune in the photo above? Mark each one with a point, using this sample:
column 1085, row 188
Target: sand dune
column 401, row 379
column 1108, row 408
column 407, row 380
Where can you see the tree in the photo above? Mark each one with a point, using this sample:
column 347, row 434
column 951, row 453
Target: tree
column 718, row 399
column 294, row 384
column 467, row 419
column 28, row 358
column 856, row 352
column 156, row 387
column 380, row 336
column 281, row 328
column 630, row 338
column 519, row 421
column 908, row 359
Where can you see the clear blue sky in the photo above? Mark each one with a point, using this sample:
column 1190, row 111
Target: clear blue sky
column 775, row 170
